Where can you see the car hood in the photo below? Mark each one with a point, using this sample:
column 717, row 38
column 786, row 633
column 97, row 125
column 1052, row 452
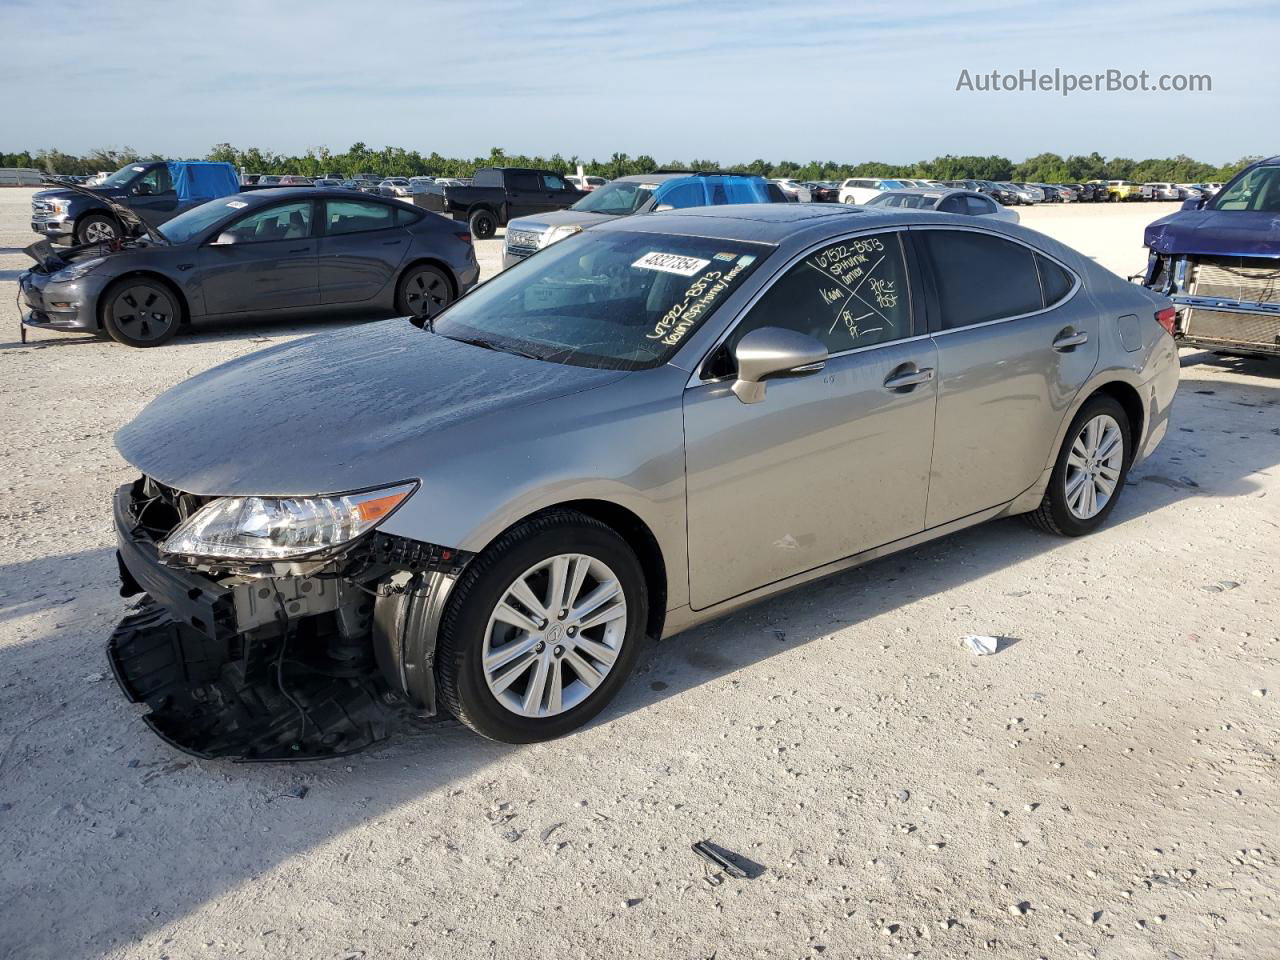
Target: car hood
column 358, row 408
column 558, row 218
column 1240, row 233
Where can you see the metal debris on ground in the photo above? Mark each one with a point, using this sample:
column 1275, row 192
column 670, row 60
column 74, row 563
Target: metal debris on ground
column 717, row 863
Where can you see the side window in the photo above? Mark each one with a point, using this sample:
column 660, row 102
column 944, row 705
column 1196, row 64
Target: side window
column 980, row 277
column 355, row 216
column 284, row 221
column 524, row 181
column 979, row 206
column 683, row 195
column 951, row 204
column 407, row 216
column 551, row 182
column 849, row 294
column 154, row 181
column 1055, row 281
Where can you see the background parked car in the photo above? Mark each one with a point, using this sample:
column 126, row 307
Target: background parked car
column 823, row 191
column 794, row 190
column 1119, row 190
column 626, row 196
column 967, row 202
column 862, row 189
column 293, row 180
column 304, row 252
column 497, row 194
column 587, row 183
column 155, row 191
column 394, row 187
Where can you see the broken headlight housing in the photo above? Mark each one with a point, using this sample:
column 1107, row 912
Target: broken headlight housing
column 556, row 234
column 77, row 270
column 282, row 528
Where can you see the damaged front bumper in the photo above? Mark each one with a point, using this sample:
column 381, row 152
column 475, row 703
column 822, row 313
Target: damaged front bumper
column 277, row 661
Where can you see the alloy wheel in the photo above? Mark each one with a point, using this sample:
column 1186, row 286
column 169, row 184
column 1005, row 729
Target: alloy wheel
column 555, row 635
column 423, row 290
column 143, row 312
column 99, row 231
column 1094, row 464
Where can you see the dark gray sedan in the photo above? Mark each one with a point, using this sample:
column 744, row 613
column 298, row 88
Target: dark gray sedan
column 272, row 253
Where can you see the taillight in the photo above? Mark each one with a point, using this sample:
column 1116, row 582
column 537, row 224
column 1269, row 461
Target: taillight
column 465, row 237
column 1166, row 318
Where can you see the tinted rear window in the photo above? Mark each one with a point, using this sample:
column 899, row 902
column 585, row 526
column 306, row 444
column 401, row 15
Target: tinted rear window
column 980, row 277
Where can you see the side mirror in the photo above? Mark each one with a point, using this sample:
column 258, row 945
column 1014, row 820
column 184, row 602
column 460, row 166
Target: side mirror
column 1193, row 203
column 771, row 352
column 224, row 239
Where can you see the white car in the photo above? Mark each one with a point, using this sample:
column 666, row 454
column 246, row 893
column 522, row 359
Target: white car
column 587, row 183
column 794, row 189
column 419, row 184
column 970, row 203
column 394, row 187
column 862, row 189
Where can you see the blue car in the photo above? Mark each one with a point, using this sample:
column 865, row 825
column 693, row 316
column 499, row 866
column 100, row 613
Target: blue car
column 1219, row 260
column 642, row 193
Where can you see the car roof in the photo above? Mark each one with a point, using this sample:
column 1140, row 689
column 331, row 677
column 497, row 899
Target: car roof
column 775, row 223
column 283, row 193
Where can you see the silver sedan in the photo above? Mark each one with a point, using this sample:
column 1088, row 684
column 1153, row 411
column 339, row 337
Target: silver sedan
column 638, row 429
column 970, row 203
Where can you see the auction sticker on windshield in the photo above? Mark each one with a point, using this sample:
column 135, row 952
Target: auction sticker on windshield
column 671, row 263
column 236, row 204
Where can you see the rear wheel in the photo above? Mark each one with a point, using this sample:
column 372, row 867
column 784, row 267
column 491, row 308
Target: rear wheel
column 1090, row 470
column 542, row 630
column 483, row 224
column 97, row 228
column 423, row 291
column 140, row 312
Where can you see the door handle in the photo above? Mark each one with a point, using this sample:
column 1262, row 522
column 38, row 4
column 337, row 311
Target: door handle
column 908, row 378
column 299, row 249
column 1069, row 341
column 392, row 243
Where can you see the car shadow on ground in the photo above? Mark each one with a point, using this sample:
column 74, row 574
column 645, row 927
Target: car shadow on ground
column 90, row 782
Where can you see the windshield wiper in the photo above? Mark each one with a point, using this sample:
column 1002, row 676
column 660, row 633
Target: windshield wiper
column 490, row 345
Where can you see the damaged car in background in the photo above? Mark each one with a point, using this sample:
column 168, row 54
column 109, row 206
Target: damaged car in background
column 486, row 510
column 1219, row 261
column 282, row 252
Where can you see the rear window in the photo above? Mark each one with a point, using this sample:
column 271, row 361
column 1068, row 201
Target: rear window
column 356, row 216
column 979, row 277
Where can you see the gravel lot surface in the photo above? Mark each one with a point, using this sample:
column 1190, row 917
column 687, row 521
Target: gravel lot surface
column 1104, row 786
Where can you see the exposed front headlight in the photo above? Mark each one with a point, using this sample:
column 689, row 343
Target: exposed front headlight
column 282, row 528
column 77, row 270
column 557, row 233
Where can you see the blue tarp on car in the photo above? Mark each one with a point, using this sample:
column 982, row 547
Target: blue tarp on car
column 199, row 182
column 706, row 191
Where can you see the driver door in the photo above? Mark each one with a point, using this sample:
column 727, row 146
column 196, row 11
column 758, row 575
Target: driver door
column 829, row 463
column 152, row 196
column 271, row 265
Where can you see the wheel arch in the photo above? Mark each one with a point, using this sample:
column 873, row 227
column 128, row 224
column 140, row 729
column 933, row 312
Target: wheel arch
column 1128, row 397
column 183, row 304
column 633, row 529
column 95, row 212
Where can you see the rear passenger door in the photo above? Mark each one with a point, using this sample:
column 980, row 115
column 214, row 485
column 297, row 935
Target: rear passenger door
column 1015, row 343
column 361, row 249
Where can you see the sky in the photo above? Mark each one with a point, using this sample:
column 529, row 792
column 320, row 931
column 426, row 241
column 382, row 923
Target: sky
column 723, row 81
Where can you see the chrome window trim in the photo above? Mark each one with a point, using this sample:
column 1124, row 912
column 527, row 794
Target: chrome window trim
column 696, row 379
column 1070, row 295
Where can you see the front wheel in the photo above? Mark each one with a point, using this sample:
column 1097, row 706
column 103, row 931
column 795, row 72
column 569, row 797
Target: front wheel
column 97, row 228
column 423, row 291
column 542, row 629
column 140, row 312
column 1090, row 471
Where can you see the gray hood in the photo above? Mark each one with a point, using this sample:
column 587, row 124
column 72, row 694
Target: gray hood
column 555, row 218
column 363, row 407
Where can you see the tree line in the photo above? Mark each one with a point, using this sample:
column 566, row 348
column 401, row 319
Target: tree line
column 399, row 162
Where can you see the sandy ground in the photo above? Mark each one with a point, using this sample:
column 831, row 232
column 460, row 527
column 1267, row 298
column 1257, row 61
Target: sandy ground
column 1105, row 786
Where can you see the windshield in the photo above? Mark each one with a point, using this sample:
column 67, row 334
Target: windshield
column 187, row 226
column 616, row 199
column 890, row 185
column 1258, row 190
column 123, row 175
column 612, row 300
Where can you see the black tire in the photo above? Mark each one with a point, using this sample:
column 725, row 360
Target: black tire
column 459, row 674
column 141, row 312
column 1054, row 515
column 97, row 228
column 483, row 224
column 420, row 285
